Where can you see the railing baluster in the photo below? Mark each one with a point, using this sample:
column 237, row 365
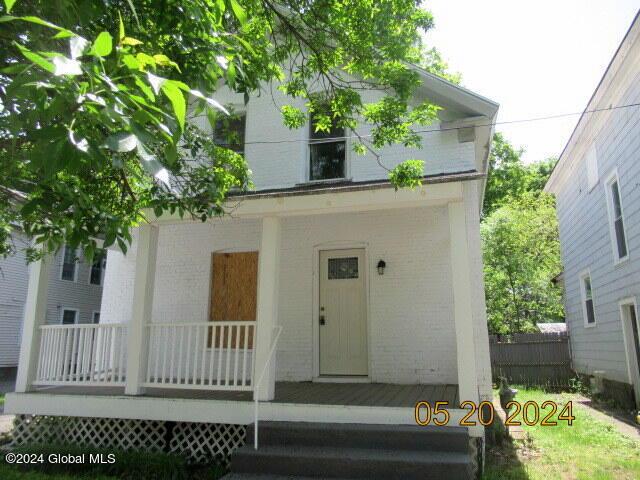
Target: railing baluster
column 155, row 333
column 220, row 344
column 228, row 364
column 211, row 339
column 204, row 353
column 237, row 351
column 123, row 343
column 74, row 352
column 195, row 356
column 244, row 355
column 180, row 358
column 173, row 347
column 187, row 370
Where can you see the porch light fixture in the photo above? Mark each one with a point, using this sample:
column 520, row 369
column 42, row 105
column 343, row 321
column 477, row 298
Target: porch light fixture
column 381, row 266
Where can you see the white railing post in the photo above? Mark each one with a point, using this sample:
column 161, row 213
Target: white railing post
column 463, row 312
column 267, row 304
column 35, row 312
column 137, row 341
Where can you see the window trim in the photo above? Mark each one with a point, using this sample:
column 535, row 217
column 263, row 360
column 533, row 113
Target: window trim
column 307, row 158
column 76, row 265
column 583, row 295
column 102, row 269
column 77, row 318
column 93, row 317
column 611, row 178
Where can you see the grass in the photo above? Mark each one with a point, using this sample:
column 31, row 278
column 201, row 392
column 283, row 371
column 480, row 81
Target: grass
column 590, row 449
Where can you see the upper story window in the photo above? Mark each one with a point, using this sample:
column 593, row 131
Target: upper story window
column 96, row 317
column 230, row 132
column 616, row 220
column 327, row 153
column 69, row 316
column 591, row 161
column 97, row 270
column 587, row 300
column 69, row 264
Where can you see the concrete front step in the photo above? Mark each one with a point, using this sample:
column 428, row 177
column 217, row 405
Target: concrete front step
column 355, row 463
column 382, row 437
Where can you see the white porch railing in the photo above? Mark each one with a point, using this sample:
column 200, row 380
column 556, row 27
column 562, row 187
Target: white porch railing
column 205, row 356
column 83, row 354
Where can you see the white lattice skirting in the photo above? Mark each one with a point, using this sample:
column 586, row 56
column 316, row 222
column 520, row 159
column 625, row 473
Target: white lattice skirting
column 198, row 442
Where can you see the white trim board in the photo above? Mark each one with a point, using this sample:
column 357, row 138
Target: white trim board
column 209, row 411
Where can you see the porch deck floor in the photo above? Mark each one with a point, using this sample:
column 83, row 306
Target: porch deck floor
column 306, row 393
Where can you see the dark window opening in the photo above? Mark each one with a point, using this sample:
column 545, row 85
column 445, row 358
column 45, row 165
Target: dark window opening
column 588, row 294
column 327, row 153
column 69, row 317
column 618, row 224
column 230, row 132
column 69, row 264
column 97, row 270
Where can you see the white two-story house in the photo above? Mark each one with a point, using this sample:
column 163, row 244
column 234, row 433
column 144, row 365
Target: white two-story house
column 326, row 300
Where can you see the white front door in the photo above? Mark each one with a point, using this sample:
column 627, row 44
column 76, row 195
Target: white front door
column 343, row 313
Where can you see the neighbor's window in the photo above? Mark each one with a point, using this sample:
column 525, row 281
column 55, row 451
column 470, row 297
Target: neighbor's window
column 96, row 317
column 97, row 270
column 69, row 317
column 587, row 299
column 68, row 264
column 327, row 153
column 617, row 223
column 229, row 132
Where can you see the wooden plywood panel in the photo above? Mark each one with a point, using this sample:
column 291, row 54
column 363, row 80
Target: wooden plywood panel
column 234, row 287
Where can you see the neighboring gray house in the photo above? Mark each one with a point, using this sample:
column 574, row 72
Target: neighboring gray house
column 74, row 296
column 597, row 186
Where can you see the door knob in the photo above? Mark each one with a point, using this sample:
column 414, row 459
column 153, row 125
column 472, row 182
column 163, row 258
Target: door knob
column 321, row 319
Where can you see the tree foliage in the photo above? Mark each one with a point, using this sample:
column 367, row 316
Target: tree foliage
column 509, row 177
column 520, row 242
column 521, row 254
column 97, row 97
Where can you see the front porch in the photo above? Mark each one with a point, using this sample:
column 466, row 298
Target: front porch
column 161, row 354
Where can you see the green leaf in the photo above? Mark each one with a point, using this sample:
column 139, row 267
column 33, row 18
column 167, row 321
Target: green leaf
column 103, row 44
column 35, row 58
column 9, row 4
column 120, row 28
column 176, row 97
column 121, row 142
column 165, row 61
column 239, row 12
column 131, row 41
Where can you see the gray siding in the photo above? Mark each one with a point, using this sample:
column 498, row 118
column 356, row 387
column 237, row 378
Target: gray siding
column 586, row 241
column 80, row 295
column 14, row 279
column 13, row 292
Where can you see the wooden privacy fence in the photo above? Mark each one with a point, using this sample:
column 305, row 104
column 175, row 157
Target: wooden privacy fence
column 542, row 359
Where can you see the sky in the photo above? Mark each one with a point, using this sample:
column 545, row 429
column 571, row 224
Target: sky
column 535, row 58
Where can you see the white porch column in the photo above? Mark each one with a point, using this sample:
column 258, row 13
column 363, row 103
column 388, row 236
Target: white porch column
column 35, row 312
column 138, row 335
column 267, row 306
column 461, row 282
